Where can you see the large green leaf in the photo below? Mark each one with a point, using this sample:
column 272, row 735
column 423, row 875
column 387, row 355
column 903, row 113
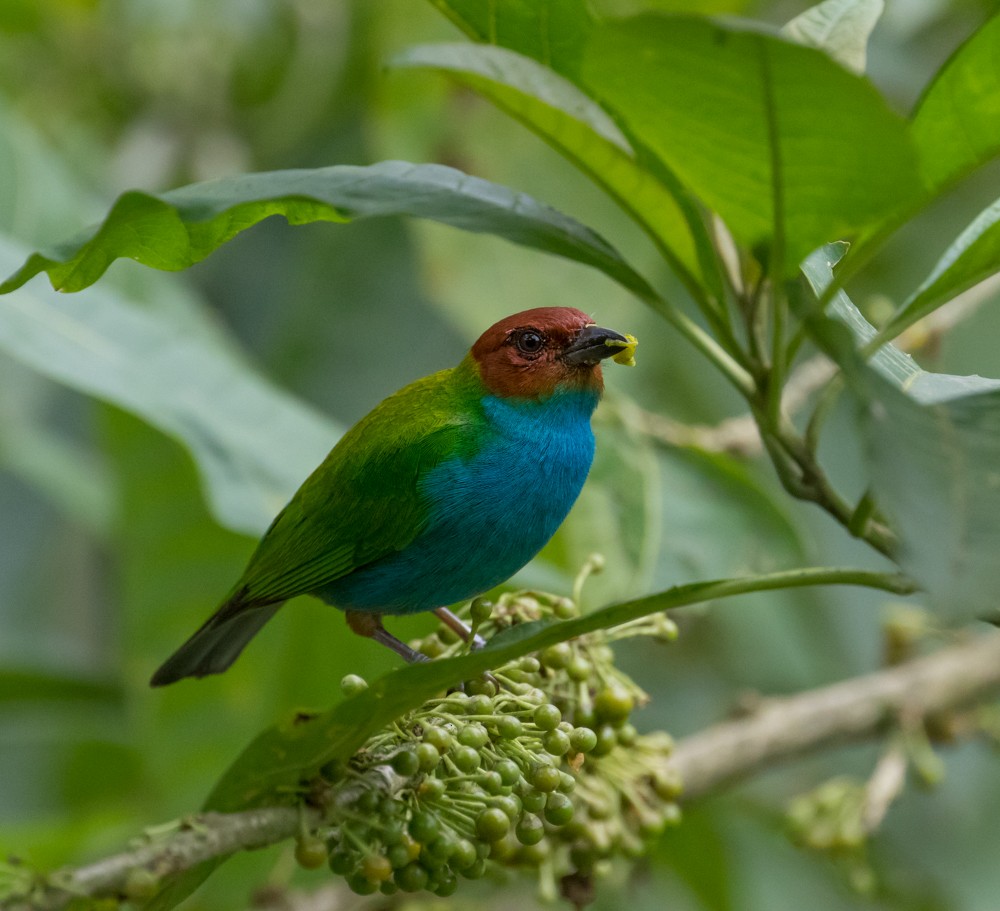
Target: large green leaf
column 973, row 256
column 956, row 125
column 559, row 112
column 552, row 32
column 934, row 472
column 841, row 28
column 932, row 445
column 272, row 767
column 183, row 226
column 896, row 366
column 252, row 443
column 789, row 148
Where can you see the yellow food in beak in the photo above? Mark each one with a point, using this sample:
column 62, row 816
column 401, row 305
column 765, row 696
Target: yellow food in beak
column 625, row 357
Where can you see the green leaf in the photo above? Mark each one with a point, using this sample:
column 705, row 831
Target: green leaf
column 273, row 767
column 932, row 444
column 790, row 149
column 183, row 226
column 973, row 256
column 573, row 124
column 24, row 686
column 933, row 469
column 71, row 474
column 552, row 32
column 894, row 365
column 841, row 28
column 252, row 443
column 956, row 125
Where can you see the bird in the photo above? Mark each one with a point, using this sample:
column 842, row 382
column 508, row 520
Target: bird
column 442, row 492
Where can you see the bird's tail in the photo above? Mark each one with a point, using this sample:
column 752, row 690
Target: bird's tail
column 218, row 643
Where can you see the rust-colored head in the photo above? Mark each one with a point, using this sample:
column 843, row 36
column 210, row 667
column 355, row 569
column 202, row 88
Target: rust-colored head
column 530, row 354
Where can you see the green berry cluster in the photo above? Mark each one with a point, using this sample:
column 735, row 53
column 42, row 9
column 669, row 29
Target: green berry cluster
column 831, row 820
column 831, row 817
column 533, row 766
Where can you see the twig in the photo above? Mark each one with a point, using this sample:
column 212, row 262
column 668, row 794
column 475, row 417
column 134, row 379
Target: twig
column 783, row 728
column 852, row 710
column 739, row 436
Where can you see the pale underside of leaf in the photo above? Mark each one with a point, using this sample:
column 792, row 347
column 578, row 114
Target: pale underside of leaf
column 252, row 443
column 972, row 257
column 932, row 444
column 183, row 226
column 841, row 28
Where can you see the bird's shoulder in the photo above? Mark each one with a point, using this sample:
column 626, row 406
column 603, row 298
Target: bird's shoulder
column 363, row 502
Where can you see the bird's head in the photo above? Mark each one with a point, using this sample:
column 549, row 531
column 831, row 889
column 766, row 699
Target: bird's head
column 533, row 353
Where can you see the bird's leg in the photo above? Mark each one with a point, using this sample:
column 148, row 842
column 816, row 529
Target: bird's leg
column 370, row 626
column 456, row 625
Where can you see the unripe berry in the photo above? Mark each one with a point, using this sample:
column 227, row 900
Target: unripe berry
column 509, row 772
column 480, row 704
column 424, row 826
column 533, row 801
column 446, row 884
column 432, row 647
column 545, row 778
column 473, row 735
column 361, row 885
column 464, row 855
column 406, row 763
column 613, row 704
column 492, row 824
column 509, row 803
column 582, row 740
column 341, row 862
column 556, row 743
column 607, row 740
column 565, row 608
column 431, row 789
column 509, row 727
column 465, row 758
column 557, row 656
column 310, row 852
column 529, row 830
column 437, row 737
column 474, row 871
column 481, row 686
column 428, row 756
column 547, row 717
column 558, row 809
column 352, row 684
column 412, row 878
column 480, row 610
column 491, row 782
column 375, row 867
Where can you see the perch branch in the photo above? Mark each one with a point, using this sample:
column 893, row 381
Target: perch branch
column 782, row 728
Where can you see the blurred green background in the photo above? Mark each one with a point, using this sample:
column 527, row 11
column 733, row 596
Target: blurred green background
column 109, row 556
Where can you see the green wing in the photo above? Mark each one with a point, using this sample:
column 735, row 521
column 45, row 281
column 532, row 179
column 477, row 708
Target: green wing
column 362, row 502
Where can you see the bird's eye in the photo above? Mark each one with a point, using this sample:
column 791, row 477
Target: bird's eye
column 529, row 341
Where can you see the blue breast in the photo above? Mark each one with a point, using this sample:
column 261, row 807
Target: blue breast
column 489, row 513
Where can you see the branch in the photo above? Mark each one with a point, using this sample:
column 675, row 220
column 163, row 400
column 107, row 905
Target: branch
column 855, row 709
column 739, row 436
column 852, row 710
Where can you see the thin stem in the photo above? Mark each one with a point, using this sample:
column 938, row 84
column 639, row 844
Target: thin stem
column 707, row 345
column 824, row 405
column 776, row 375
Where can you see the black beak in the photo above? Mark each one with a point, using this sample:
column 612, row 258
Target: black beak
column 589, row 346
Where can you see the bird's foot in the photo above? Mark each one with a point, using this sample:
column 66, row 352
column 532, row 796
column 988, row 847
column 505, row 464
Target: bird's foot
column 370, row 626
